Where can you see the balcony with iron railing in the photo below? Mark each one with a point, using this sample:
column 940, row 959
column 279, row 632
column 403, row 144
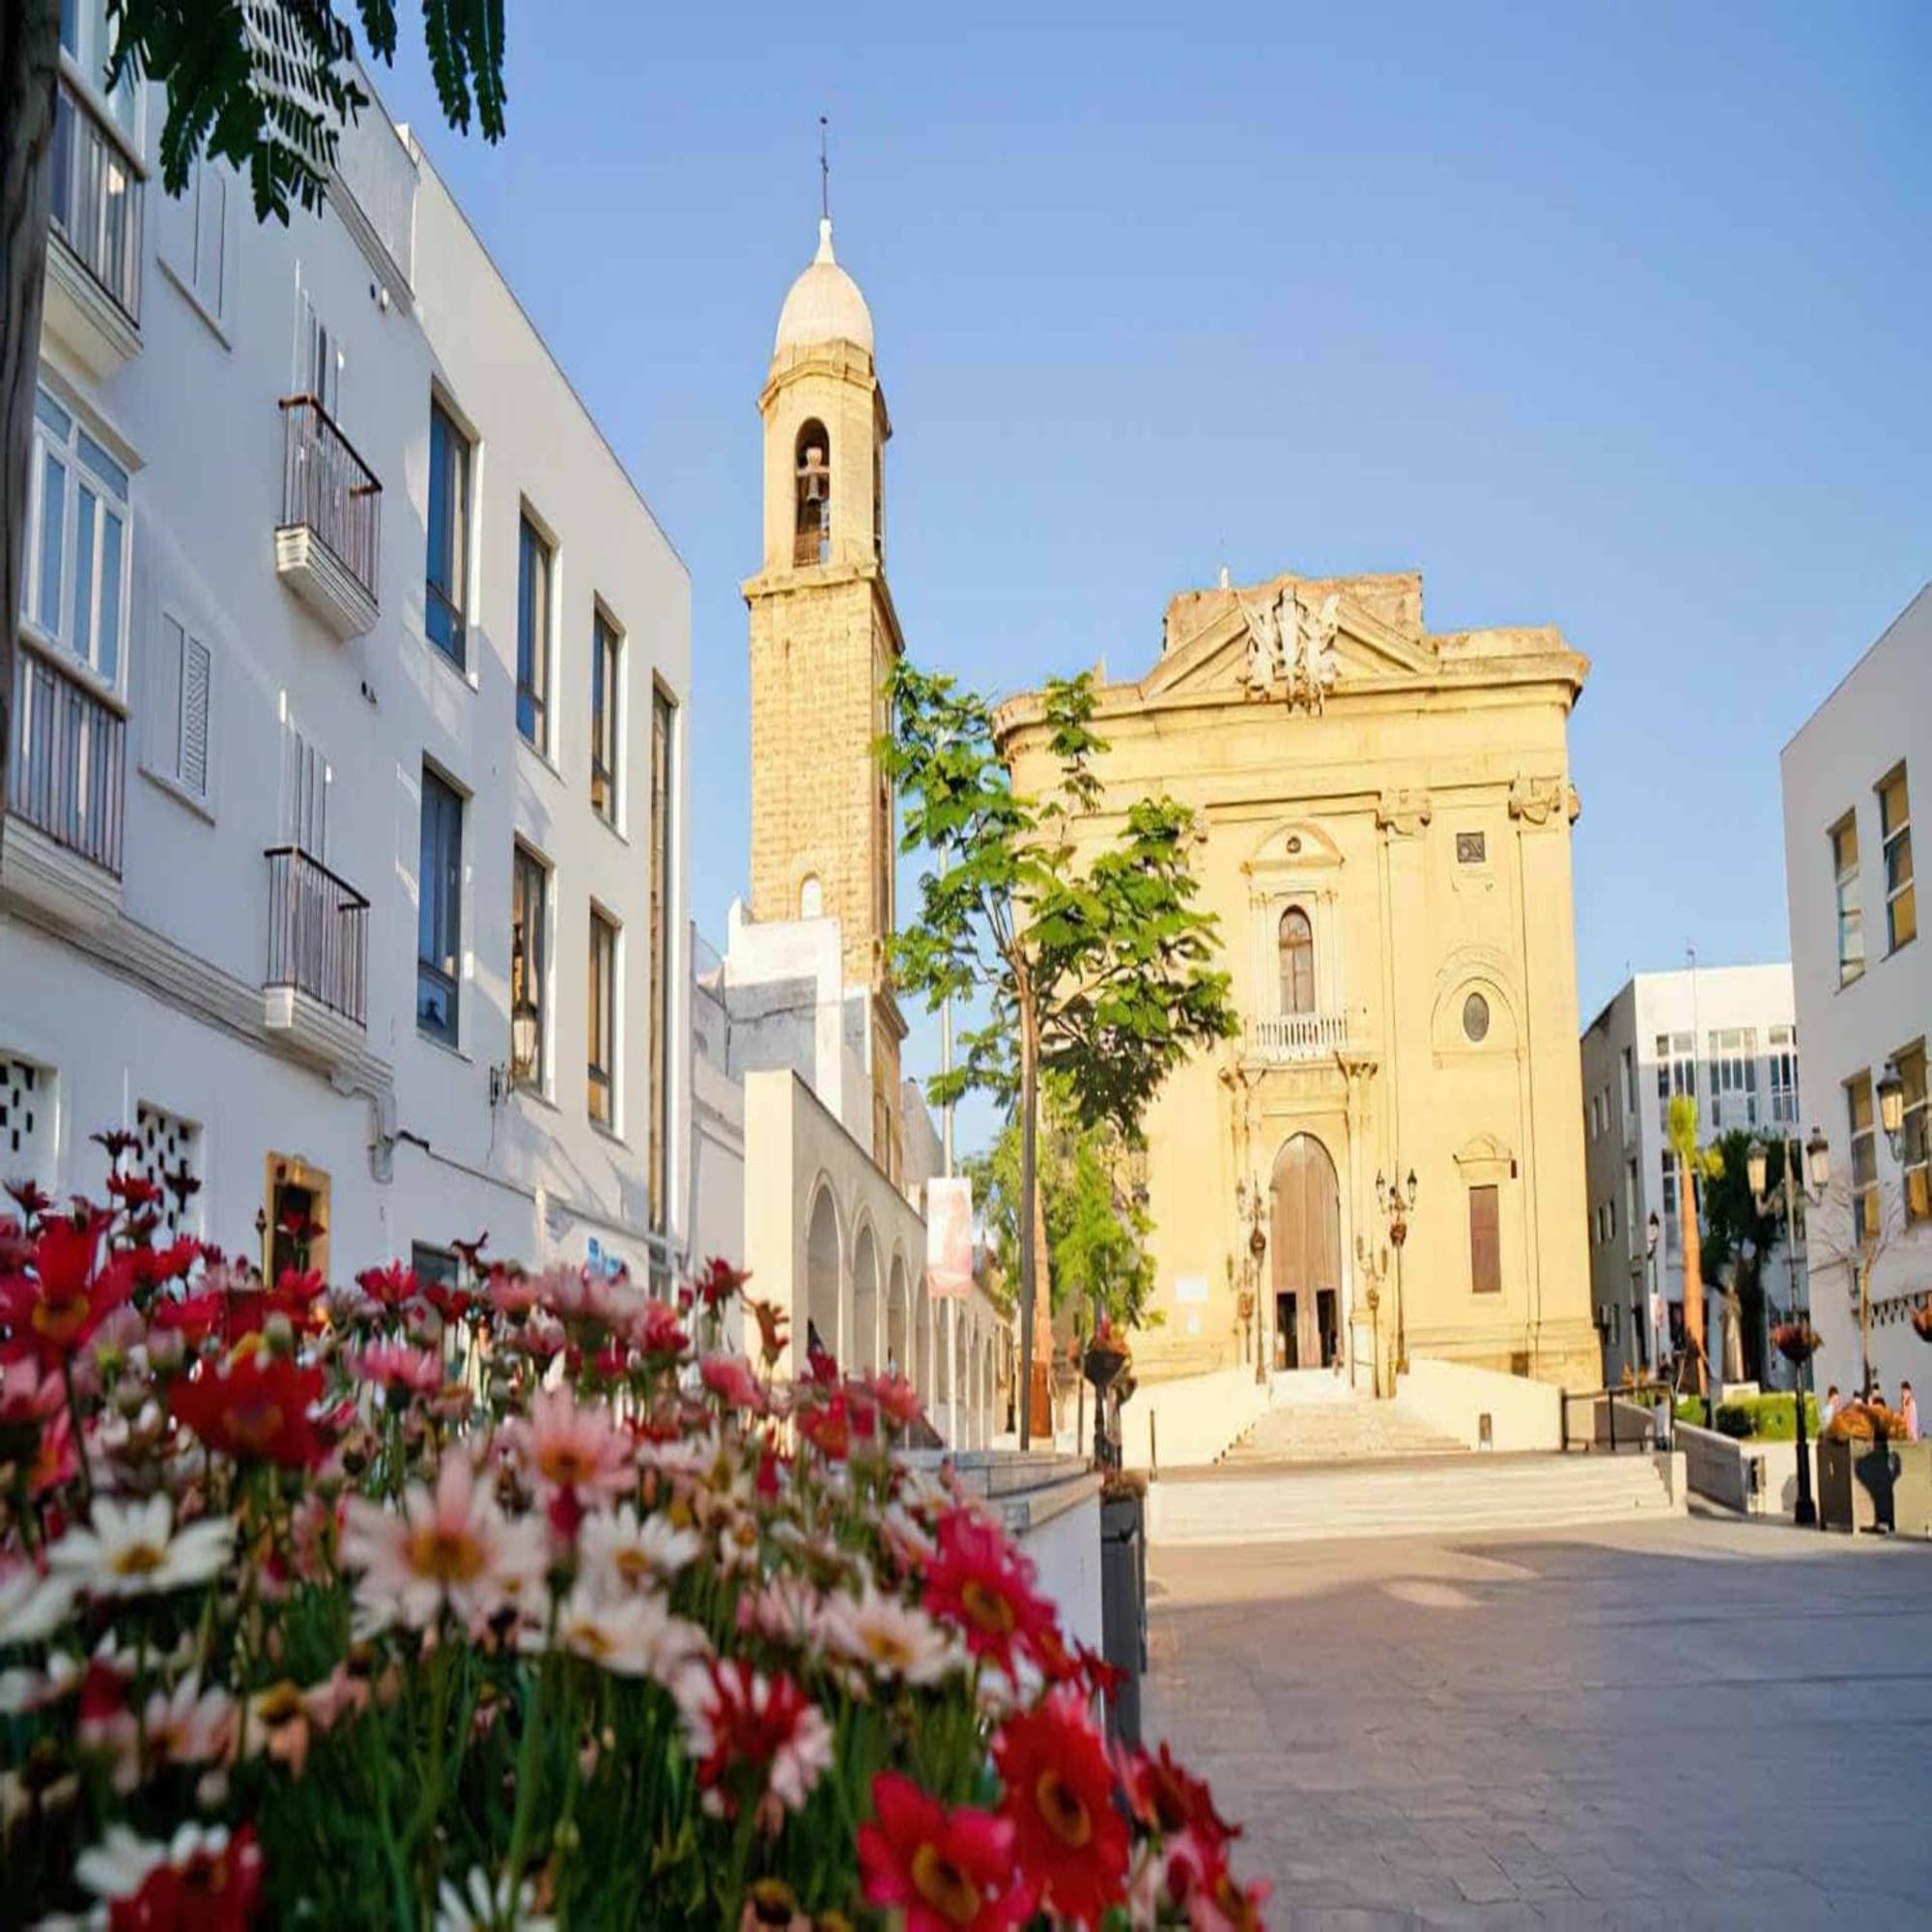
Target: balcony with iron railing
column 316, row 988
column 93, row 250
column 64, row 787
column 328, row 541
column 1281, row 1039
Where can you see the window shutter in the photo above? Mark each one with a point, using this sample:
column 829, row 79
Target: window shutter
column 195, row 668
column 165, row 743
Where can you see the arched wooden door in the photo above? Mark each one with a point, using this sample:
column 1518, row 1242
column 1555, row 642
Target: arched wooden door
column 1307, row 1248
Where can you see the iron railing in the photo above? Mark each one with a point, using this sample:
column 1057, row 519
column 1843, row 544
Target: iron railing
column 328, row 489
column 66, row 778
column 96, row 198
column 318, row 933
column 1645, row 1424
column 1296, row 1035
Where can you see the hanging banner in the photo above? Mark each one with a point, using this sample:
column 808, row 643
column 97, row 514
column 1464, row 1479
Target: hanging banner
column 949, row 1237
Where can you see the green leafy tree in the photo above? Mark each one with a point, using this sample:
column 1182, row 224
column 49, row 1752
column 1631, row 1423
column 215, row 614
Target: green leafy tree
column 266, row 84
column 1096, row 1224
column 1736, row 1234
column 1693, row 1164
column 1097, row 972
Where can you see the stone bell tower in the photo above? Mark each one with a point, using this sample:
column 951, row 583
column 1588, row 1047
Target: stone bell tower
column 824, row 640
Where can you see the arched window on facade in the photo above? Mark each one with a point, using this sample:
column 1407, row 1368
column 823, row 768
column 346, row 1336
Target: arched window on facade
column 1295, row 946
column 811, row 897
column 878, row 503
column 812, row 530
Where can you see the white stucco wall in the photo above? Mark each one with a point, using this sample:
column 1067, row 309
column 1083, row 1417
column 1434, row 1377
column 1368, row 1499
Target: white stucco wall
column 156, row 999
column 1880, row 715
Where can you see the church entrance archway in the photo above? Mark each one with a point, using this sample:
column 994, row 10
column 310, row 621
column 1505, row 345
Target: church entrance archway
column 1306, row 1245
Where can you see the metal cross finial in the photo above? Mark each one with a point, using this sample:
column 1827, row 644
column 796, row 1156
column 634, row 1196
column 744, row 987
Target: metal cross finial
column 824, row 173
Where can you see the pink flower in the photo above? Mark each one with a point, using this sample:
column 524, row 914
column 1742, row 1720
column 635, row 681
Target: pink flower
column 398, row 1368
column 449, row 1551
column 573, row 1448
column 730, row 1379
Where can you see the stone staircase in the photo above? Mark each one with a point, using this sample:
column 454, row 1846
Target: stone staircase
column 1340, row 1430
column 1429, row 1495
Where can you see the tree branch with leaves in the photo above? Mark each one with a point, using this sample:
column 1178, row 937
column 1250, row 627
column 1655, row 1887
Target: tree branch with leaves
column 1095, row 972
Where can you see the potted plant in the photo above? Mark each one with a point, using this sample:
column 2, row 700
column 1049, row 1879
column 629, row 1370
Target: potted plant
column 1857, row 1467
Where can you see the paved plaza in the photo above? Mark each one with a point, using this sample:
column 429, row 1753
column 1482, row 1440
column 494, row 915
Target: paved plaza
column 1698, row 1722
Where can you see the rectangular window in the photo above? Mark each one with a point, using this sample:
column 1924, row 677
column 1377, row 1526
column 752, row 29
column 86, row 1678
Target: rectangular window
column 605, row 649
column 88, row 36
column 1850, row 908
column 1895, row 824
column 73, row 588
column 447, row 578
column 659, row 941
column 1783, row 1064
column 1629, row 1083
column 528, row 902
column 432, row 1266
column 1670, row 1227
column 1676, row 1071
column 603, row 1028
column 438, row 908
column 1471, row 848
column 178, row 708
column 1631, row 1203
column 1864, row 1158
column 197, row 236
column 1733, row 1077
column 533, row 557
column 320, row 373
column 1912, row 1157
column 1486, row 1261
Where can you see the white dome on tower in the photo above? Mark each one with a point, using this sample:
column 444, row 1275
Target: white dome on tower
column 824, row 306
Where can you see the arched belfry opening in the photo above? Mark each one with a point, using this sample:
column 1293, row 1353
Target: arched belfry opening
column 811, row 541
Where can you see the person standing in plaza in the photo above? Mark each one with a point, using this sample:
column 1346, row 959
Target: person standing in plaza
column 1830, row 1406
column 1908, row 1411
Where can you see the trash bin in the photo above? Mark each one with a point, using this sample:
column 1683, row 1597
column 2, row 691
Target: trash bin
column 1123, row 1607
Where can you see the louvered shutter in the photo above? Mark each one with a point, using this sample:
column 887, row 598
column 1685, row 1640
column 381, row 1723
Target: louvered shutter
column 195, row 675
column 1486, row 1269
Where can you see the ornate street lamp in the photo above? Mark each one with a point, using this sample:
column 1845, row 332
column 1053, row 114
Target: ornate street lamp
column 1891, row 1106
column 524, row 1040
column 1397, row 1202
column 1795, row 1339
column 1252, row 1215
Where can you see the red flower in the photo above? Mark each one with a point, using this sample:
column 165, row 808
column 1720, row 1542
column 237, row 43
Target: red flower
column 254, row 1411
column 978, row 1581
column 1168, row 1799
column 663, row 1335
column 153, row 1266
column 30, row 1198
column 949, row 1870
column 53, row 1312
column 1059, row 1800
column 1195, row 1877
column 208, row 1890
column 451, row 1303
column 827, row 1427
column 388, row 1287
column 193, row 1317
column 898, row 1400
column 719, row 1280
column 133, row 1190
column 298, row 1295
column 766, row 1723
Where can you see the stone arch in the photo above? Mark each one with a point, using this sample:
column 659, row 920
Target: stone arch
column 864, row 1346
column 898, row 1319
column 1305, row 1318
column 989, row 1389
column 824, row 1287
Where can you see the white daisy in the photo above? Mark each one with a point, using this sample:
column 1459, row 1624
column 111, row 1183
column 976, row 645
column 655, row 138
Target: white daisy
column 633, row 1550
column 133, row 1549
column 488, row 1905
column 888, row 1638
column 33, row 1606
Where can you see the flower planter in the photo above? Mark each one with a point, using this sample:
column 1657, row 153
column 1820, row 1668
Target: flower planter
column 1857, row 1481
column 1123, row 1608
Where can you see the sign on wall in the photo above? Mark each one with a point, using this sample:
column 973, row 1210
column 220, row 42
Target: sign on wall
column 948, row 1236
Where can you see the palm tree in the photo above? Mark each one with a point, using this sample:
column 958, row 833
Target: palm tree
column 1680, row 1133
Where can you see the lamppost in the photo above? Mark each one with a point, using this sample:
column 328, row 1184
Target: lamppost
column 1817, row 1176
column 1397, row 1202
column 1653, row 1228
column 1250, row 1213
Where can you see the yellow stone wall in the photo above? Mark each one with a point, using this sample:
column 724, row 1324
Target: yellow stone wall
column 1351, row 810
column 823, row 639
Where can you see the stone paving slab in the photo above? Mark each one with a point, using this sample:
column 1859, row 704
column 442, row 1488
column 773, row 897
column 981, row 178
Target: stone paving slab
column 1684, row 1722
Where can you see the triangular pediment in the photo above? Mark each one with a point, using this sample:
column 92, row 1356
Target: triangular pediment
column 1254, row 642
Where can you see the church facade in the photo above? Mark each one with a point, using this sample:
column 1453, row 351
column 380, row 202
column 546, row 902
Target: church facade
column 1387, row 1163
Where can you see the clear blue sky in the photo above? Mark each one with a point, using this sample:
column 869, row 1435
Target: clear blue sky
column 1620, row 322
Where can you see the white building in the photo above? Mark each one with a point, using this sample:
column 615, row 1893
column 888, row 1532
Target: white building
column 1864, row 994
column 350, row 726
column 1727, row 1036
